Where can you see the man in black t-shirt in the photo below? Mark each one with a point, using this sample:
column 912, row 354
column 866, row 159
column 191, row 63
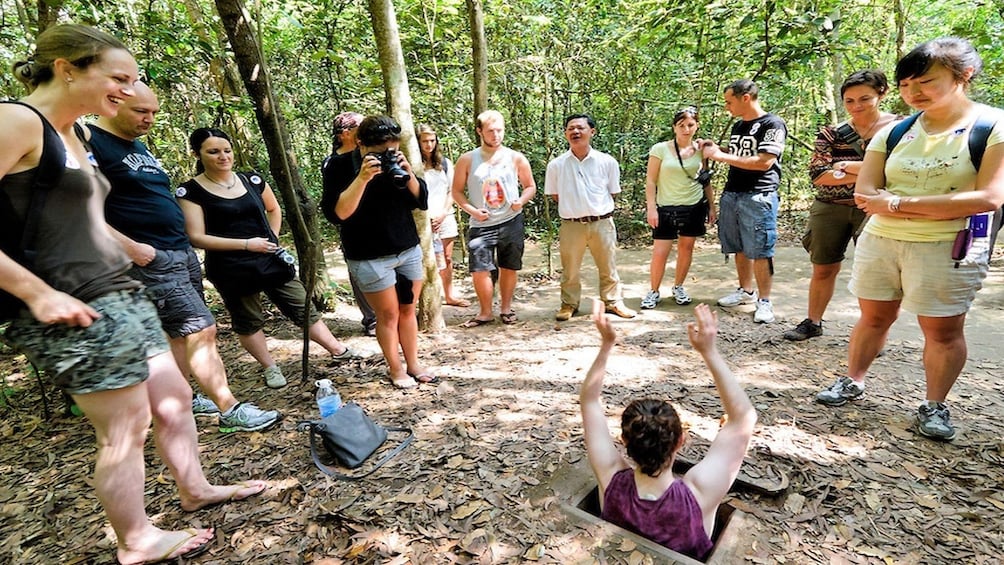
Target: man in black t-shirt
column 150, row 226
column 747, row 221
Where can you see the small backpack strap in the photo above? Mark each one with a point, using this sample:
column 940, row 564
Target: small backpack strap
column 898, row 131
column 978, row 137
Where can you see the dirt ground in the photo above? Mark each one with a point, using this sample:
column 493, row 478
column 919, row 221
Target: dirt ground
column 475, row 487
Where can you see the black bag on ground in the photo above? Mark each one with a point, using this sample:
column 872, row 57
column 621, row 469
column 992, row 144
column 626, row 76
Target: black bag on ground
column 350, row 437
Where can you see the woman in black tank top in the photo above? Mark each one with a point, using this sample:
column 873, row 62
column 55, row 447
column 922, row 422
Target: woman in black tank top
column 118, row 368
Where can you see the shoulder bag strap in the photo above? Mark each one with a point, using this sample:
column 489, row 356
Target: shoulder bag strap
column 328, row 470
column 252, row 189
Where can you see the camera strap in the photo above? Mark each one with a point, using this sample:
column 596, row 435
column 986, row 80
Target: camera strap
column 680, row 159
column 255, row 190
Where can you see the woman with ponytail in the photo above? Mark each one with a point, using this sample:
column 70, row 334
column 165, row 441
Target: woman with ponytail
column 644, row 496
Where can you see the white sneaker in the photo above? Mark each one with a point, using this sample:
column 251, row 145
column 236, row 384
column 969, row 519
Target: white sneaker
column 740, row 296
column 651, row 300
column 764, row 312
column 681, row 295
column 274, row 377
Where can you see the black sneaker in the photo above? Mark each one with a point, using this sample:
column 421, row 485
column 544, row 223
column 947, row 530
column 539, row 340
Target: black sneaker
column 804, row 330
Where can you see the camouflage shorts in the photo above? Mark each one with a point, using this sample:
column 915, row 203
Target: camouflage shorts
column 110, row 354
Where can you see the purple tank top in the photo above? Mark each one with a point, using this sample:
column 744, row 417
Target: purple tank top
column 675, row 520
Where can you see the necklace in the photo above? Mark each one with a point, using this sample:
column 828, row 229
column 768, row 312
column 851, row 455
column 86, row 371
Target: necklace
column 233, row 181
column 864, row 133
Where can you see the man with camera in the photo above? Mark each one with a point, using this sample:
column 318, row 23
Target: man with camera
column 486, row 185
column 583, row 181
column 150, row 226
column 747, row 221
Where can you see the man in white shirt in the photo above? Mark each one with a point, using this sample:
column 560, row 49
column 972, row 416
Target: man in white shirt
column 583, row 181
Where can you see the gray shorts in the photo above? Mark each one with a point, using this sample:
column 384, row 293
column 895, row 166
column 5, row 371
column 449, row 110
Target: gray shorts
column 110, row 354
column 503, row 242
column 374, row 275
column 173, row 282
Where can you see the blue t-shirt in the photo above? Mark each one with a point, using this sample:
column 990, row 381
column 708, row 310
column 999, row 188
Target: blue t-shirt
column 141, row 204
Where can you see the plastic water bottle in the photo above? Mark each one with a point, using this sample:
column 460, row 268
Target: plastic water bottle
column 328, row 399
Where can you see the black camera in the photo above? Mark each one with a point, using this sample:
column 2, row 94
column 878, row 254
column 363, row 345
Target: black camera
column 390, row 167
column 704, row 177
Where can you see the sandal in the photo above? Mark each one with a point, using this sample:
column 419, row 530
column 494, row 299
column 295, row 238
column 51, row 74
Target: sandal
column 425, row 378
column 460, row 302
column 475, row 322
column 509, row 317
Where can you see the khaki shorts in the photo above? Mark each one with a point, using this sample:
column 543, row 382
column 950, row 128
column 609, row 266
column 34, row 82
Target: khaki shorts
column 922, row 275
column 110, row 354
column 831, row 228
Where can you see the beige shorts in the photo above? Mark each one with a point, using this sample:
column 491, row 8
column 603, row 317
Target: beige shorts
column 922, row 275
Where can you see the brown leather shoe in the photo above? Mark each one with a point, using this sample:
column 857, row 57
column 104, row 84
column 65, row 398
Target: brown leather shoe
column 619, row 309
column 566, row 312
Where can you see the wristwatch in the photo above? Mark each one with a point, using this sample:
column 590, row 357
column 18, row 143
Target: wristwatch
column 840, row 171
column 894, row 204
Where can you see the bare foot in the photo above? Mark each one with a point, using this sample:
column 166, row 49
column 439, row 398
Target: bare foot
column 222, row 493
column 159, row 545
column 402, row 380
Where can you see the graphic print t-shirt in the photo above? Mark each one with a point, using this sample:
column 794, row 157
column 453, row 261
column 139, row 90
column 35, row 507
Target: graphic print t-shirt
column 493, row 185
column 766, row 134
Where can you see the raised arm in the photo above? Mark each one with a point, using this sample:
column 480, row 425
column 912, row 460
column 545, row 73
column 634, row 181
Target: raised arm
column 710, row 479
column 603, row 456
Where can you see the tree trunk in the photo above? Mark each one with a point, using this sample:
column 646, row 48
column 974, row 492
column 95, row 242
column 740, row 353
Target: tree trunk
column 300, row 208
column 479, row 55
column 46, row 15
column 395, row 81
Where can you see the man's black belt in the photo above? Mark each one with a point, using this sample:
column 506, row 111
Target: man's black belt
column 589, row 219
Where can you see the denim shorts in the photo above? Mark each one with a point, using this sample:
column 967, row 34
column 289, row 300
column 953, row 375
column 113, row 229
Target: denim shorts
column 747, row 223
column 173, row 283
column 831, row 228
column 922, row 276
column 109, row 354
column 504, row 242
column 374, row 275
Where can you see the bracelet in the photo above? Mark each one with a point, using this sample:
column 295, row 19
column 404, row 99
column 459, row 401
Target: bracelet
column 894, row 204
column 246, row 241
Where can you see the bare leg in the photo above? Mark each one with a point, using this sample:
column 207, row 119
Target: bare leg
column 203, row 362
column 744, row 271
column 824, row 279
column 447, row 275
column 255, row 345
column 764, row 278
column 684, row 258
column 485, row 290
column 661, row 249
column 320, row 334
column 869, row 335
column 407, row 329
column 507, row 288
column 121, row 419
column 944, row 353
column 388, row 313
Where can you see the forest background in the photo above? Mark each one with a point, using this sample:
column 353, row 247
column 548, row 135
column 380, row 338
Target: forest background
column 632, row 65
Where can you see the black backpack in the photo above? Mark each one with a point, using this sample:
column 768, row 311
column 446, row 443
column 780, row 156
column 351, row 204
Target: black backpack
column 17, row 235
column 978, row 136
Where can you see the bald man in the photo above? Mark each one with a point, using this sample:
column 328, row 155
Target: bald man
column 149, row 225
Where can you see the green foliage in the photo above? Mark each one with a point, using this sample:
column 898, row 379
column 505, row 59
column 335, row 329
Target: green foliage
column 631, row 64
